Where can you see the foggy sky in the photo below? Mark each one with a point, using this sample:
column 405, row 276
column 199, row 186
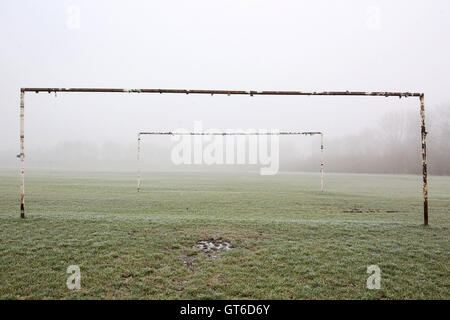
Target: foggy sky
column 245, row 45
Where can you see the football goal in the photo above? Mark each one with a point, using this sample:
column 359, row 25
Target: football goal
column 306, row 133
column 250, row 93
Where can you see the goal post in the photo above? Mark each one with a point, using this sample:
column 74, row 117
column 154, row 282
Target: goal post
column 309, row 133
column 421, row 96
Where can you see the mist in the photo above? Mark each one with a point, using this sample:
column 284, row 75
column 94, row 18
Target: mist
column 242, row 45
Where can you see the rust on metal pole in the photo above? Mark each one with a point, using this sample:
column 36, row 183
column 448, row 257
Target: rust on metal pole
column 233, row 92
column 21, row 155
column 424, row 160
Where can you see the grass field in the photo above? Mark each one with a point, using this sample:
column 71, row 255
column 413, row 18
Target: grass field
column 289, row 240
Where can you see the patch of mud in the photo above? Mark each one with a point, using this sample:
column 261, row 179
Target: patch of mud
column 359, row 210
column 212, row 246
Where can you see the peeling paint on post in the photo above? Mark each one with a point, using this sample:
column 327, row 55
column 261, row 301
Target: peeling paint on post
column 22, row 155
column 233, row 92
column 424, row 160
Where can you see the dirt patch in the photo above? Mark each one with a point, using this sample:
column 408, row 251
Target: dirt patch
column 359, row 210
column 212, row 246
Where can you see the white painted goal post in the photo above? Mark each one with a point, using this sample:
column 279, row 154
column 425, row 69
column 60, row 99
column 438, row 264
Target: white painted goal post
column 251, row 93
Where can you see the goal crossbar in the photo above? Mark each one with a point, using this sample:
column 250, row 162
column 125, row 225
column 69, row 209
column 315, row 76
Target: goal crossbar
column 231, row 92
column 231, row 133
column 421, row 96
column 310, row 133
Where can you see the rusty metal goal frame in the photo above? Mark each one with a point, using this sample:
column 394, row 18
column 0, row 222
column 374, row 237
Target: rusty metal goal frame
column 421, row 97
column 309, row 133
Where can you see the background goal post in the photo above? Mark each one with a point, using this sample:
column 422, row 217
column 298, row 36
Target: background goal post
column 309, row 133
